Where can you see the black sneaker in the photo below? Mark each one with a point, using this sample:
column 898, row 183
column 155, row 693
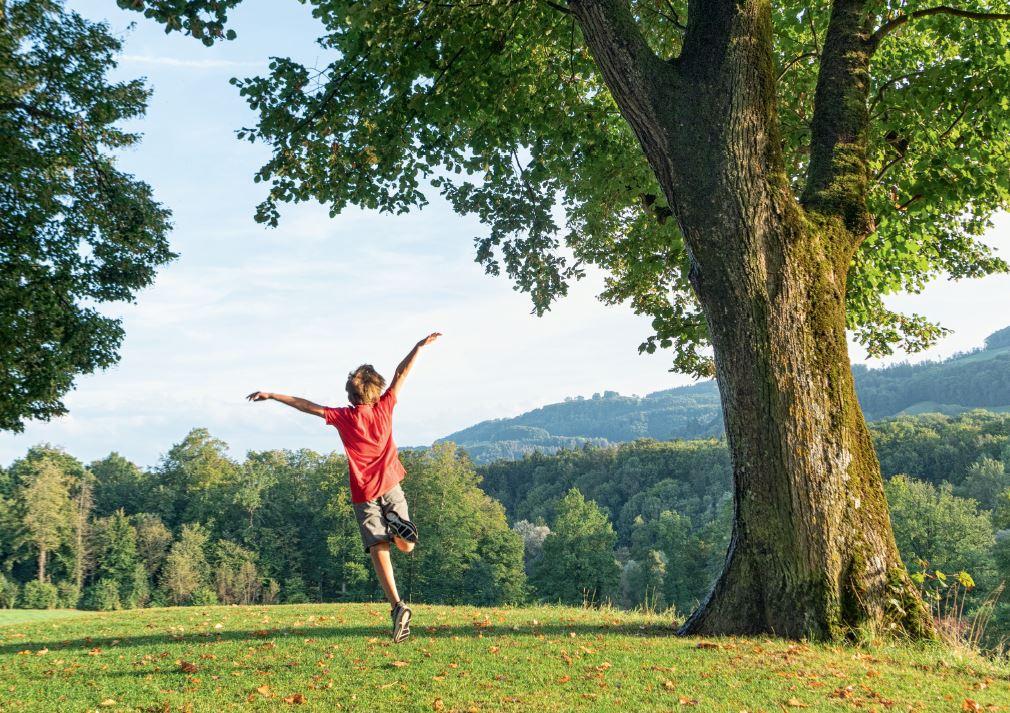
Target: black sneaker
column 401, row 622
column 404, row 529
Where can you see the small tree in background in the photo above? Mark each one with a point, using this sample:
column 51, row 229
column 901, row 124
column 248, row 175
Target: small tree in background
column 236, row 579
column 578, row 564
column 186, row 569
column 45, row 502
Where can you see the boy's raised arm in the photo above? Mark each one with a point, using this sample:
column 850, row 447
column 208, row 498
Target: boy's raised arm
column 292, row 401
column 408, row 361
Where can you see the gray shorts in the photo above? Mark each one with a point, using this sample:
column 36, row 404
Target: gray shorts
column 371, row 516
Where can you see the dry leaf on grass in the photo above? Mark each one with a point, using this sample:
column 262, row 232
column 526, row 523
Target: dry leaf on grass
column 296, row 699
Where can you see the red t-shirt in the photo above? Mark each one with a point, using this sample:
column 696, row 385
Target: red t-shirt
column 367, row 433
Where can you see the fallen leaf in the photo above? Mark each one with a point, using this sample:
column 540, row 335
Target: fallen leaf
column 797, row 703
column 564, row 679
column 398, row 664
column 437, row 705
column 706, row 645
column 669, row 685
column 295, row 699
column 264, row 691
column 971, row 706
column 685, row 701
column 107, row 703
column 187, row 667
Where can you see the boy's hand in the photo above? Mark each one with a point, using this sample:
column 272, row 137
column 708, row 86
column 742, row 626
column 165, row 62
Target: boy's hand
column 259, row 396
column 429, row 339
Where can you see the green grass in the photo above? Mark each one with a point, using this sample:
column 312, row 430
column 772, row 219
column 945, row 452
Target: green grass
column 339, row 657
column 21, row 616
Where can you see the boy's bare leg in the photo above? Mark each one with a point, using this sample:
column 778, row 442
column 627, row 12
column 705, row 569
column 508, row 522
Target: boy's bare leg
column 384, row 569
column 402, row 544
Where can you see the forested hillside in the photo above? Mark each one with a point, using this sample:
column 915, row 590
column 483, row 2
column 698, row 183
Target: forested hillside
column 977, row 379
column 669, row 506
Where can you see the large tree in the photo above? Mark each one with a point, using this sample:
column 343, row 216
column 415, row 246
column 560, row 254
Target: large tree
column 75, row 231
column 754, row 175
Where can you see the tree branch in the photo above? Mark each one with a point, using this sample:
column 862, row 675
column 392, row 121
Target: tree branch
column 640, row 81
column 897, row 22
column 838, row 173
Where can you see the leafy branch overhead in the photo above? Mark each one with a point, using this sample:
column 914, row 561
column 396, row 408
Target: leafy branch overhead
column 499, row 107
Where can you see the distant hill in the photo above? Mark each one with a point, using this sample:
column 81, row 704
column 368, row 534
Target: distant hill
column 976, row 379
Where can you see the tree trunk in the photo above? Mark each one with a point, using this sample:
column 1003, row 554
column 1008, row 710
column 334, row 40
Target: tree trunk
column 42, row 564
column 812, row 552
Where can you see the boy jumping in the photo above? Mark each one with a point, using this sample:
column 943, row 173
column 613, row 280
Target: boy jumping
column 375, row 471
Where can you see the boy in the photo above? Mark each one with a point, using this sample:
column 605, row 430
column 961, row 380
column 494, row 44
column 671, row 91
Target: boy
column 375, row 471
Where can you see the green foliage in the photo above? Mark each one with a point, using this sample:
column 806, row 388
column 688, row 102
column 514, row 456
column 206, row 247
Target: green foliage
column 986, row 482
column 45, row 502
column 136, row 591
column 76, row 231
column 39, row 595
column 577, row 565
column 186, row 570
column 204, row 597
column 9, row 592
column 293, row 590
column 236, row 579
column 68, row 595
column 935, row 526
column 191, row 476
column 468, row 553
column 116, row 548
column 104, row 596
column 120, row 484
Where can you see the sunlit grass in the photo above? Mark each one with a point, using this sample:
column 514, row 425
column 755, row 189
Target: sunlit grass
column 339, row 657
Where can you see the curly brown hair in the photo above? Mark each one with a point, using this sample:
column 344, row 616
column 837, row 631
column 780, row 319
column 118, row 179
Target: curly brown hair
column 364, row 385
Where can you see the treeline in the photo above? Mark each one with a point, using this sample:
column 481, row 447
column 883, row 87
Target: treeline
column 641, row 524
column 202, row 528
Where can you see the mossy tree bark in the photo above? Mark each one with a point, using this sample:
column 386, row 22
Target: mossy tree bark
column 812, row 551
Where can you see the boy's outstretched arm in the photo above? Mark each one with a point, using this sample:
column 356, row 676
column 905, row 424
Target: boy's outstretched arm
column 292, row 401
column 408, row 361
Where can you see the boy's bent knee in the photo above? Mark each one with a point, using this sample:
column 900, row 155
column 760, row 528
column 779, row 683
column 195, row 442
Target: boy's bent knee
column 403, row 545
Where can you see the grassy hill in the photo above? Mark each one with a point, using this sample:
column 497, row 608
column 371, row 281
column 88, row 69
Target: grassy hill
column 338, row 657
column 977, row 379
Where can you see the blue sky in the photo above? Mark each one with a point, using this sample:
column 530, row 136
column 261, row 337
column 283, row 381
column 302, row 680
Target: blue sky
column 292, row 309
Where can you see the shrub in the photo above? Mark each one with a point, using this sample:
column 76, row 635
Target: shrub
column 294, row 591
column 39, row 595
column 104, row 596
column 136, row 591
column 271, row 591
column 9, row 591
column 204, row 597
column 69, row 595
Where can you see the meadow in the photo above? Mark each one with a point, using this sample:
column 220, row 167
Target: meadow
column 339, row 657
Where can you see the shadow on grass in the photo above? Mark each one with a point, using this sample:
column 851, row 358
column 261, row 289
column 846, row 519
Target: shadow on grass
column 420, row 630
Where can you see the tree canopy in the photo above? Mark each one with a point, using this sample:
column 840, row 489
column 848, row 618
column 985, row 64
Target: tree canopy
column 499, row 107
